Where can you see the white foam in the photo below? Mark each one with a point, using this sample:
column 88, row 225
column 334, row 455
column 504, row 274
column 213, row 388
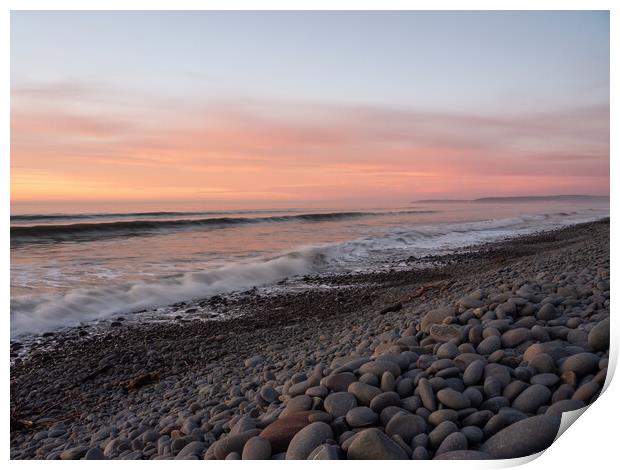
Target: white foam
column 37, row 314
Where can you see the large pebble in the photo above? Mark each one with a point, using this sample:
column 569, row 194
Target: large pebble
column 581, row 364
column 361, row 416
column 453, row 399
column 435, row 316
column 373, row 444
column 339, row 382
column 454, row 441
column 281, row 431
column 532, row 398
column 489, row 345
column 474, row 372
column 364, row 392
column 406, row 426
column 383, row 400
column 234, row 443
column 463, row 455
column 426, row 395
column 523, row 438
column 515, row 337
column 562, row 406
column 256, row 448
column 598, row 338
column 379, row 367
column 308, row 439
column 338, row 404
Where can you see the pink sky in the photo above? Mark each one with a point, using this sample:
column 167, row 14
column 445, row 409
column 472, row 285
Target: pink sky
column 76, row 145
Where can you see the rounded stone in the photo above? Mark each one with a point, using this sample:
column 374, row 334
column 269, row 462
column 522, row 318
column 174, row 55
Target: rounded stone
column 383, row 400
column 308, row 439
column 463, row 455
column 281, row 431
column 523, row 438
column 453, row 399
column 562, row 406
column 372, row 444
column 532, row 398
column 598, row 338
column 474, row 372
column 363, row 392
column 546, row 379
column 325, row 452
column 379, row 367
column 339, row 382
column 513, row 338
column 426, row 395
column 339, row 403
column 441, row 431
column 440, row 416
column 406, row 426
column 489, row 345
column 256, row 448
column 231, row 443
column 454, row 441
column 546, row 312
column 361, row 416
column 581, row 364
column 543, row 363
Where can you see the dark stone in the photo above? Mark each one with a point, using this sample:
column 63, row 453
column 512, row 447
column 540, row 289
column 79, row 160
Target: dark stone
column 372, row 444
column 523, row 438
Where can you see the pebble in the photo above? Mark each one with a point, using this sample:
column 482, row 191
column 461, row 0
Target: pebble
column 339, row 382
column 94, row 453
column 256, row 448
column 373, row 444
column 383, row 400
column 426, row 394
column 598, row 338
column 459, row 381
column 281, row 431
column 489, row 345
column 363, row 392
column 435, row 316
column 546, row 379
column 474, row 372
column 562, row 406
column 325, row 452
column 452, row 442
column 406, row 426
column 523, row 438
column 339, row 403
column 361, row 416
column 308, row 439
column 74, row 453
column 581, row 364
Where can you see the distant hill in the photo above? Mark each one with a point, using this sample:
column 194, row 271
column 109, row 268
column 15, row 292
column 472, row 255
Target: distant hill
column 559, row 197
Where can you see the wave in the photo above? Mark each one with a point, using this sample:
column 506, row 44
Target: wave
column 37, row 314
column 124, row 215
column 137, row 227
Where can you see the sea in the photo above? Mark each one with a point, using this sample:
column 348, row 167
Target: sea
column 69, row 269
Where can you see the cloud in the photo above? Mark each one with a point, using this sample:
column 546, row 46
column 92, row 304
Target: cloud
column 219, row 148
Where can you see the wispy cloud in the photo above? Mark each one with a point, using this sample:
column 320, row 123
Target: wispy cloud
column 286, row 150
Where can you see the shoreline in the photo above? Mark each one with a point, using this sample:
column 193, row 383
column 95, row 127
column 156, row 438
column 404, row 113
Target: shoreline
column 173, row 378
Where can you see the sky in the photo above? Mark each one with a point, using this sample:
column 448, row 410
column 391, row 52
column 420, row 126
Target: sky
column 281, row 109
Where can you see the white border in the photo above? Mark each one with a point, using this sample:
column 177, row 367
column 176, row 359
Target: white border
column 590, row 443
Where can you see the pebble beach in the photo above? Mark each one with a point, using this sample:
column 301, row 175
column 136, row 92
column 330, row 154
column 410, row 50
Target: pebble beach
column 471, row 355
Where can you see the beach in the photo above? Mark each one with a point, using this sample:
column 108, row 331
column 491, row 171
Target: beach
column 473, row 354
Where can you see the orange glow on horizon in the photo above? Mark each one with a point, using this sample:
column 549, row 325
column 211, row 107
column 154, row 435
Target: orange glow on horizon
column 231, row 155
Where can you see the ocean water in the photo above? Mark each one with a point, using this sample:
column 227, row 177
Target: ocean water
column 68, row 269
